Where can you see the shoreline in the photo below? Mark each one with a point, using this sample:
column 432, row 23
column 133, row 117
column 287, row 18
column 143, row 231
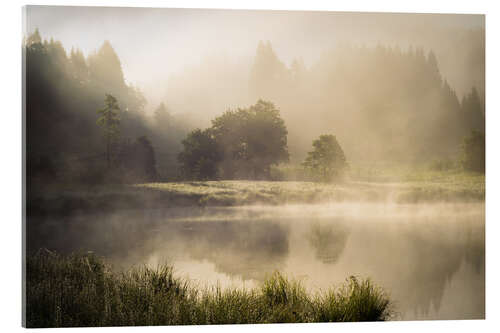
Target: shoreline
column 64, row 200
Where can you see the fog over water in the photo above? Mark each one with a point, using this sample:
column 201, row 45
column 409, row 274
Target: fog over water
column 391, row 90
column 430, row 258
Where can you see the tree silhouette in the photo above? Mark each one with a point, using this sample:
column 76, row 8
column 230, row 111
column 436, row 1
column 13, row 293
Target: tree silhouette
column 162, row 117
column 105, row 68
column 201, row 155
column 137, row 160
column 327, row 161
column 252, row 139
column 473, row 152
column 109, row 120
column 473, row 111
column 62, row 90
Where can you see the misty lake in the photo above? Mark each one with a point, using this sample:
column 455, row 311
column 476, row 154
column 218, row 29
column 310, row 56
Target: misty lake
column 429, row 258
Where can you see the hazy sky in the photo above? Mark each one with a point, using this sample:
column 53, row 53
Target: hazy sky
column 153, row 43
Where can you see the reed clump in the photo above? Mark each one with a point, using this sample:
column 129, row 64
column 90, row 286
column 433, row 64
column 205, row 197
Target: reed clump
column 82, row 290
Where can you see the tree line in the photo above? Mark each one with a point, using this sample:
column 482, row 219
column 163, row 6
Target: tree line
column 383, row 103
column 63, row 92
column 86, row 124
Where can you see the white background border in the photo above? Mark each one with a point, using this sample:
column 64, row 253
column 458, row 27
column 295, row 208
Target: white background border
column 11, row 165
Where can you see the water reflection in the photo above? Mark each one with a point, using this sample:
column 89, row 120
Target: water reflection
column 442, row 256
column 247, row 249
column 431, row 260
column 328, row 241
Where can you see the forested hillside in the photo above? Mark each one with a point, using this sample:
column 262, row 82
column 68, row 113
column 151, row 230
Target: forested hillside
column 64, row 91
column 383, row 104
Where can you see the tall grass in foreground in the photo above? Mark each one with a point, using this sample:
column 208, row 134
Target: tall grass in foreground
column 81, row 290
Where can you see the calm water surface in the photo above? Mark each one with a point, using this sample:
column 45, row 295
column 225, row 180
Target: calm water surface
column 429, row 258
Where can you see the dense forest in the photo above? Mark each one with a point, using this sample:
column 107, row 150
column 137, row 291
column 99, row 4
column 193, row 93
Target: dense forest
column 382, row 103
column 63, row 95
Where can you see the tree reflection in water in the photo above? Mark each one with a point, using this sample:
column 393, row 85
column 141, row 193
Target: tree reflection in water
column 328, row 241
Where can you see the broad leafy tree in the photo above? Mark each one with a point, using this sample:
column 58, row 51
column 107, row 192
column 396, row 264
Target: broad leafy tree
column 327, row 161
column 201, row 155
column 252, row 140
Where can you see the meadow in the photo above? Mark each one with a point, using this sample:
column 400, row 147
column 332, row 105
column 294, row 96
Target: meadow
column 363, row 186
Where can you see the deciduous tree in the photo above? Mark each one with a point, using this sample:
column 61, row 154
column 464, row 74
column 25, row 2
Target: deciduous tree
column 201, row 155
column 327, row 161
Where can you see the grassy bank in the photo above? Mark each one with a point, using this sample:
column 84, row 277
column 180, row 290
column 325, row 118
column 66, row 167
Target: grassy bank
column 415, row 187
column 81, row 290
